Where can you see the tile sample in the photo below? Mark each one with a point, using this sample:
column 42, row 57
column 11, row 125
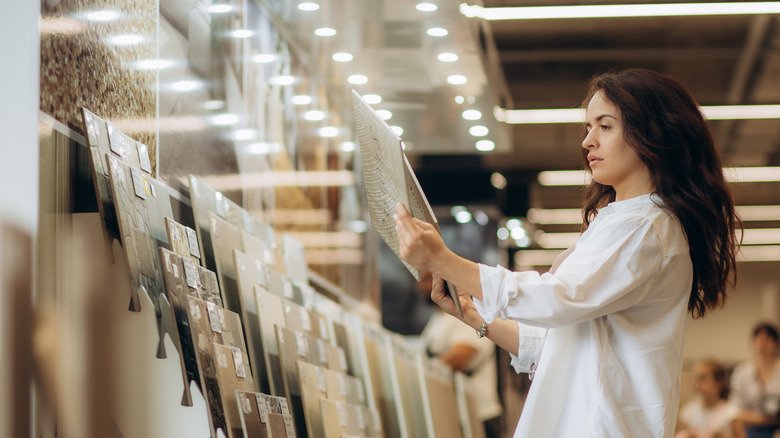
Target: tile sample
column 232, row 372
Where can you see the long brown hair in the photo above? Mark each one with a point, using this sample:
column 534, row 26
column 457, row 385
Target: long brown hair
column 662, row 123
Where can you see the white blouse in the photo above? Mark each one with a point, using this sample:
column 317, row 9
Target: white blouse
column 615, row 310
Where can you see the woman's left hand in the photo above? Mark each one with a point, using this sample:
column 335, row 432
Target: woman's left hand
column 420, row 244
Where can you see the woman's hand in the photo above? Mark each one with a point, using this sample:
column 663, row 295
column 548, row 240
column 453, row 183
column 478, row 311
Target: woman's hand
column 442, row 299
column 419, row 243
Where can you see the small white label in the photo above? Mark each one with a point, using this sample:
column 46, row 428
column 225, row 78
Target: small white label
column 260, row 273
column 342, row 359
column 249, row 221
column 359, row 390
column 288, row 290
column 343, row 385
column 323, row 328
column 303, row 346
column 195, row 310
column 138, row 183
column 143, row 157
column 221, row 211
column 221, row 359
column 361, row 418
column 246, row 405
column 283, row 406
column 191, row 274
column 192, row 240
column 174, row 270
column 262, row 404
column 288, row 426
column 268, row 256
column 264, row 417
column 322, row 349
column 214, row 317
column 214, row 228
column 194, row 186
column 115, row 140
column 152, row 190
column 321, row 382
column 343, row 414
column 305, row 319
column 238, row 362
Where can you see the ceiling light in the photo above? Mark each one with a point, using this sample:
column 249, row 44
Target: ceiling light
column 481, row 217
column 265, row 58
column 152, row 64
column 556, row 240
column 220, row 9
column 751, row 174
column 447, row 57
column 502, row 233
column 357, row 79
column 471, row 114
column 213, row 105
column 463, row 217
column 613, row 11
column 517, row 233
column 457, row 79
column 184, row 86
column 372, row 99
column 759, row 212
column 437, row 32
column 455, row 209
column 348, row 146
column 384, row 114
column 223, row 119
column 102, row 16
column 240, row 33
column 760, row 236
column 244, row 134
column 301, row 99
column 308, row 6
column 577, row 115
column 399, row 131
column 342, row 57
column 514, row 223
column 325, row 32
column 426, row 7
column 485, row 145
column 498, row 180
column 282, row 80
column 478, row 131
column 314, row 115
column 328, row 131
column 762, row 253
column 125, row 40
column 557, row 216
column 459, row 99
column 263, row 148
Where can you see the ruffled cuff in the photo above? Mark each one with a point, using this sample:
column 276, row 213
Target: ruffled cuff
column 530, row 344
column 498, row 287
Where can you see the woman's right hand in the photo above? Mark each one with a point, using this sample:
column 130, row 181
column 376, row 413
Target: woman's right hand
column 442, row 299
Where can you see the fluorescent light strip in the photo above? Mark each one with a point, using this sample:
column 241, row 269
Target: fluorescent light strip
column 546, row 257
column 759, row 212
column 577, row 115
column 573, row 216
column 764, row 253
column 617, row 11
column 761, row 236
column 733, row 175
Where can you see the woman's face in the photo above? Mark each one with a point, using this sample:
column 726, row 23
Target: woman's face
column 765, row 344
column 704, row 382
column 612, row 161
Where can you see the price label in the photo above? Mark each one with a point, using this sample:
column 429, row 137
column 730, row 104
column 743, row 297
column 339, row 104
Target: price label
column 214, row 317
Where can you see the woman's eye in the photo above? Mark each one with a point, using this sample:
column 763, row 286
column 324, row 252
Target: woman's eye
column 606, row 127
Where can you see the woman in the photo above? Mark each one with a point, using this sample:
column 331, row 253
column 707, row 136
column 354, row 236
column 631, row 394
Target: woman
column 710, row 414
column 755, row 385
column 603, row 330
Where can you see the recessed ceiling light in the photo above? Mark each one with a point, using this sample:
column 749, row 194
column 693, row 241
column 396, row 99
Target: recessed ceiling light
column 301, row 99
column 426, row 7
column 485, row 145
column 357, row 79
column 498, row 180
column 478, row 131
column 220, row 8
column 185, row 85
column 314, row 115
column 384, row 114
column 283, row 80
column 308, row 6
column 102, row 16
column 372, row 99
column 342, row 57
column 437, row 32
column 459, row 99
column 447, row 57
column 472, row 114
column 613, row 11
column 223, row 119
column 348, row 146
column 325, row 31
column 328, row 131
column 399, row 131
column 457, row 79
column 125, row 40
column 244, row 134
column 463, row 217
column 240, row 33
column 265, row 58
column 153, row 64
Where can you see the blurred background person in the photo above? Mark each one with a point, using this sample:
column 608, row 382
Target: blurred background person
column 457, row 345
column 755, row 385
column 710, row 414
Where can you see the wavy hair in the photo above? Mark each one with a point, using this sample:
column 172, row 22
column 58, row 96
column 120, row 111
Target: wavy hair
column 662, row 123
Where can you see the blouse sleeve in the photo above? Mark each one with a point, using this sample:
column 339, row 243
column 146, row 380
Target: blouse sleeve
column 604, row 274
column 531, row 341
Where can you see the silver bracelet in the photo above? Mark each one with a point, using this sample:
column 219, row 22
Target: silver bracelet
column 482, row 331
